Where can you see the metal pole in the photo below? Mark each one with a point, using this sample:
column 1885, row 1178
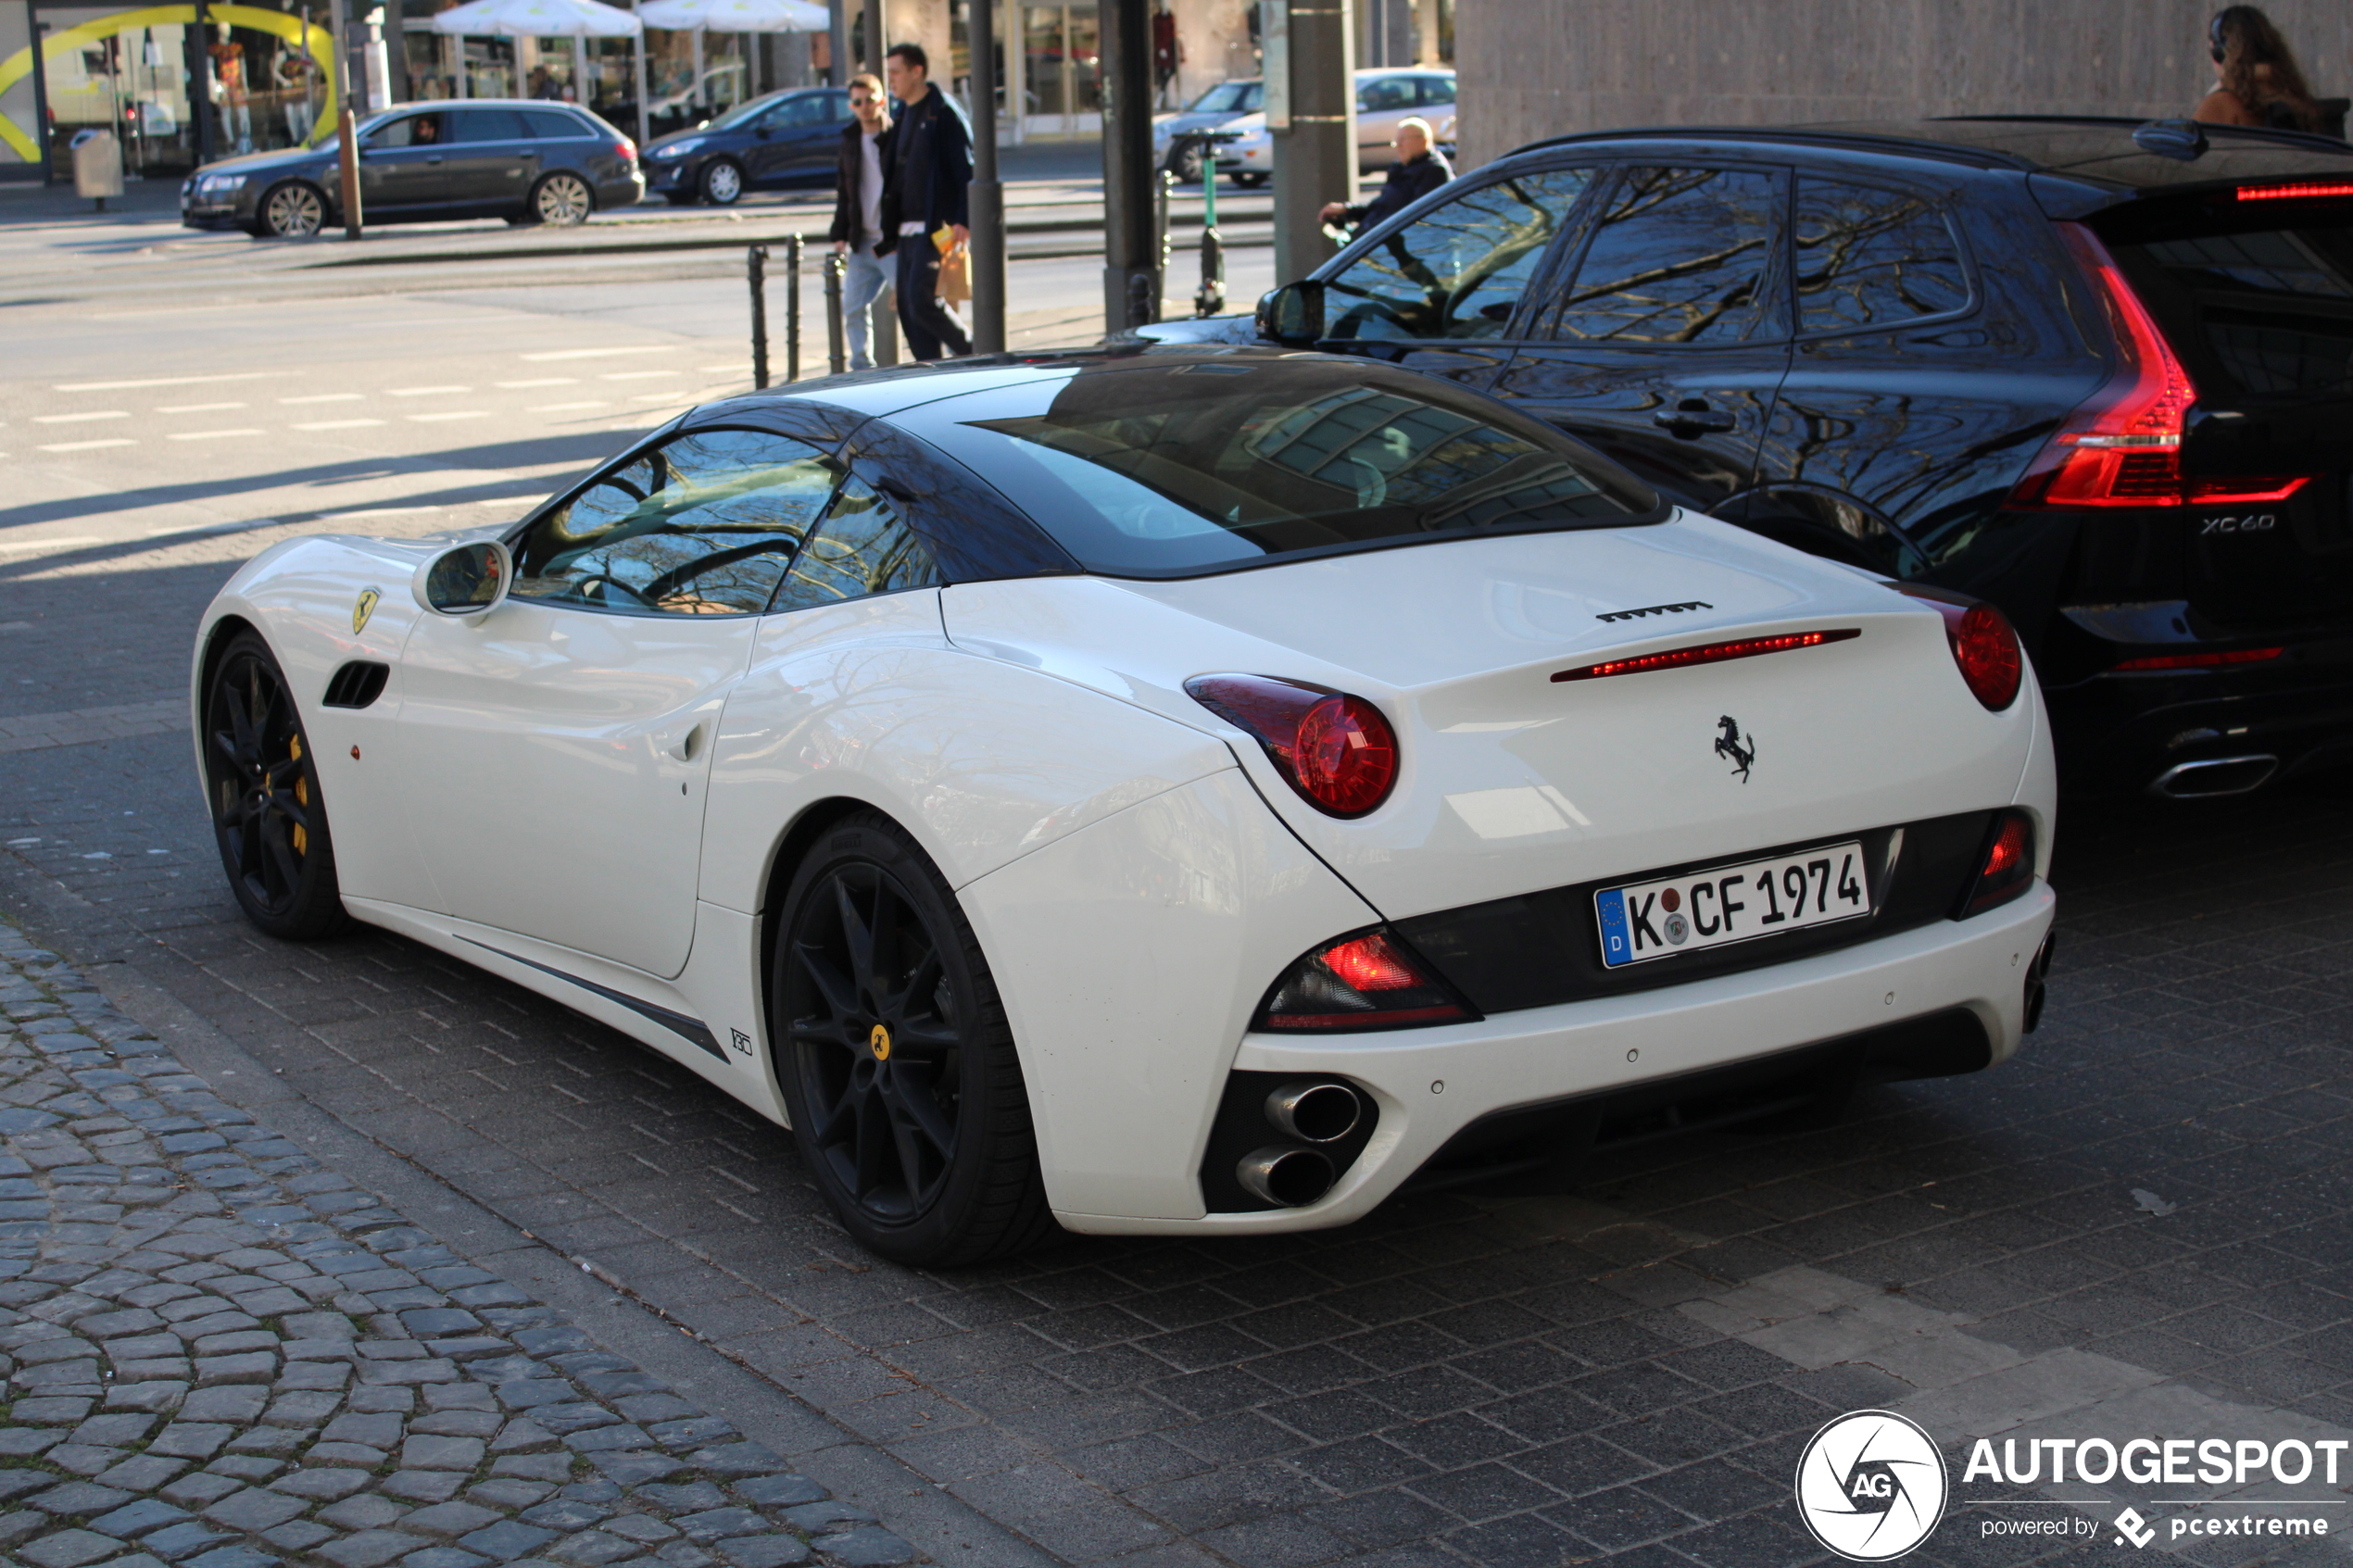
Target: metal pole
column 1131, row 278
column 836, row 355
column 792, row 309
column 843, row 68
column 347, row 161
column 882, row 338
column 756, row 264
column 988, row 194
column 637, row 75
column 40, row 99
column 1211, row 299
column 1314, row 125
column 876, row 43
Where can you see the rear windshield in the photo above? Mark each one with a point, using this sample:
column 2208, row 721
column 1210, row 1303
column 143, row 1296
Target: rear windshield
column 2259, row 304
column 1159, row 469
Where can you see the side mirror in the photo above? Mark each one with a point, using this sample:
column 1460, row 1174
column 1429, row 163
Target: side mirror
column 465, row 580
column 1293, row 314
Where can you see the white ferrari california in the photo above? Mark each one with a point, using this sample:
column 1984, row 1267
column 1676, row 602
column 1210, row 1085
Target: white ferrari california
column 1154, row 790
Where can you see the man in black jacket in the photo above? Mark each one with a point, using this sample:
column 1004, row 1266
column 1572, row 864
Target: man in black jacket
column 857, row 231
column 1419, row 170
column 929, row 174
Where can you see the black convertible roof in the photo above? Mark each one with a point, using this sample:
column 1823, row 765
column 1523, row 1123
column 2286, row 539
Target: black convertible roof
column 2087, row 146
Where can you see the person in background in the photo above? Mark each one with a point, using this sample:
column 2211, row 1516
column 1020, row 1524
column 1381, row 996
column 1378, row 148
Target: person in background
column 2258, row 82
column 858, row 227
column 925, row 188
column 1419, row 170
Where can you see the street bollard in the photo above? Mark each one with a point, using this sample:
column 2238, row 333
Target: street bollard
column 1210, row 300
column 792, row 309
column 836, row 352
column 756, row 264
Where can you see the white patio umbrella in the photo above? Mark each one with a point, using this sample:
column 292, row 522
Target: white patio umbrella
column 538, row 19
column 735, row 16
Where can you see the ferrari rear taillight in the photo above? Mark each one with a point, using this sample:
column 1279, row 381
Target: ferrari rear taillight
column 1984, row 648
column 1335, row 749
column 2123, row 446
column 1368, row 982
column 2006, row 868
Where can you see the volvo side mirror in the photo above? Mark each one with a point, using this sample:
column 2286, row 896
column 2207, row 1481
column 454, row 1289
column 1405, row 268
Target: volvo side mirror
column 1293, row 314
column 465, row 581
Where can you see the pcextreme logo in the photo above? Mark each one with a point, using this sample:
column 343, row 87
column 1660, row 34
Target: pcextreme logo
column 1871, row 1485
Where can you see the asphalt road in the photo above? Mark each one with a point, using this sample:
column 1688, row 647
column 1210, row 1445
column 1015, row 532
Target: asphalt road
column 2137, row 1229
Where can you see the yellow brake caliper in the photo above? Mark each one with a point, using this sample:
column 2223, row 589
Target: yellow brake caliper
column 302, row 796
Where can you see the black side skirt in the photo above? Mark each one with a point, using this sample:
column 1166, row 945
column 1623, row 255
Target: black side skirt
column 688, row 1029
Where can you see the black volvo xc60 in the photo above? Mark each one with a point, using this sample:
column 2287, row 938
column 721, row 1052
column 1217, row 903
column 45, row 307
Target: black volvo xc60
column 2098, row 372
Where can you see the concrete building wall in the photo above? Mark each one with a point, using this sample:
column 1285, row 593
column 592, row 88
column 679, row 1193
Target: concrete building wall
column 1532, row 68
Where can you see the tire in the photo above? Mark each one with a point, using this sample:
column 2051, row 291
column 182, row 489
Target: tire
column 292, row 209
column 1187, row 166
column 269, row 815
column 561, row 200
column 895, row 1061
column 722, row 182
column 1248, row 182
column 679, row 198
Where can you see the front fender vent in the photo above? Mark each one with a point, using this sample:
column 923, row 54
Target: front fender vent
column 356, row 684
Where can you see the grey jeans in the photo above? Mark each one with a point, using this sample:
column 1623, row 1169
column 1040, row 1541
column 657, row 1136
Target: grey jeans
column 867, row 276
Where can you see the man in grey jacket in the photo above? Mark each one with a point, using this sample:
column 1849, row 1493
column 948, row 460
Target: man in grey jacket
column 858, row 224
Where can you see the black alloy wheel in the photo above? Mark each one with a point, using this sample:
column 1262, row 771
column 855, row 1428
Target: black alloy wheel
column 897, row 1063
column 263, row 783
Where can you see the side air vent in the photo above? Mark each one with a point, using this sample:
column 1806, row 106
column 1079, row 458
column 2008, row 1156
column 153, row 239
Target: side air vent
column 356, row 684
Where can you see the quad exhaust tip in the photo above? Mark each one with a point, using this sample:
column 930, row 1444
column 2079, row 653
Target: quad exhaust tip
column 1287, row 1177
column 2215, row 776
column 1314, row 1111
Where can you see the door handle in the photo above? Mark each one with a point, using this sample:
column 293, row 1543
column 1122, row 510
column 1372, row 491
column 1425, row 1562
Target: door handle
column 1691, row 418
column 688, row 743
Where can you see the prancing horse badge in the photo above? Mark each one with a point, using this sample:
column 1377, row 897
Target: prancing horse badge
column 364, row 608
column 1728, row 745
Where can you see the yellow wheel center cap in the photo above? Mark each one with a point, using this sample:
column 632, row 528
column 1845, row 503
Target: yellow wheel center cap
column 879, row 1043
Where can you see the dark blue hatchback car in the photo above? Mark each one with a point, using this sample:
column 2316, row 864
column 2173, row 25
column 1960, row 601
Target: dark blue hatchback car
column 783, row 139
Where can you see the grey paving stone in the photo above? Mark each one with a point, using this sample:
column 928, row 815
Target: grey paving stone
column 765, row 1551
column 369, row 1549
column 868, row 1546
column 427, row 1452
column 450, row 1519
column 507, row 1539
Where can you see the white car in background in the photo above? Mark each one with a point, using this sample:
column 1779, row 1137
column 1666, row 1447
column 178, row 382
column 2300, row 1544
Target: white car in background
column 1384, row 97
column 1178, row 791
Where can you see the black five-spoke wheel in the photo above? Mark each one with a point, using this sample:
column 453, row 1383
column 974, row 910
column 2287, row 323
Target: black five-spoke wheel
column 900, row 1071
column 265, row 810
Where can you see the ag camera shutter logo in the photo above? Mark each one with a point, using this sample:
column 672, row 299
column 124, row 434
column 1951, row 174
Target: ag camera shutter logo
column 1871, row 1485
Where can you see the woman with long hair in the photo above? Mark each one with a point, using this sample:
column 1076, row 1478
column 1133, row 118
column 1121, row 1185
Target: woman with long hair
column 2258, row 81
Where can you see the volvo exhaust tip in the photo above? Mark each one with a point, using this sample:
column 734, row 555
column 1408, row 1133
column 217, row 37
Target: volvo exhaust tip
column 1289, row 1178
column 1314, row 1111
column 2215, row 776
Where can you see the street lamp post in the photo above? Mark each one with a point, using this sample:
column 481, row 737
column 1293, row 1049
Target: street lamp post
column 1311, row 114
column 988, row 200
column 1131, row 248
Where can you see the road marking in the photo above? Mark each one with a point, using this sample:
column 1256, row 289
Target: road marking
column 600, row 353
column 544, row 380
column 637, row 375
column 427, row 390
column 87, row 445
column 163, row 381
column 377, row 512
column 661, row 397
column 67, row 543
column 337, row 424
column 208, row 434
column 199, row 529
column 568, row 408
column 453, row 414
column 196, row 408
column 78, row 418
column 324, row 398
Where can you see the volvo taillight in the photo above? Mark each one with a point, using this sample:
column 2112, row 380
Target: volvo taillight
column 2123, row 446
column 1335, row 749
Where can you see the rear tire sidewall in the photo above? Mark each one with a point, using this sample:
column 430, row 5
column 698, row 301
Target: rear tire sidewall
column 722, row 182
column 990, row 1131
column 532, row 213
column 317, row 909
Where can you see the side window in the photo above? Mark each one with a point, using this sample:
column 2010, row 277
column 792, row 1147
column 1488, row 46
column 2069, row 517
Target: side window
column 810, row 108
column 1459, row 271
column 485, row 125
column 1385, row 92
column 1869, row 257
column 705, row 524
column 862, row 548
column 1438, row 89
column 1678, row 256
column 408, row 130
column 552, row 125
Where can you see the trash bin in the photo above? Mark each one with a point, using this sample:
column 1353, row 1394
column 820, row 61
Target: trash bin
column 98, row 166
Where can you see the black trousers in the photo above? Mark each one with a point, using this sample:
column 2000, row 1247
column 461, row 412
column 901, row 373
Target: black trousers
column 931, row 331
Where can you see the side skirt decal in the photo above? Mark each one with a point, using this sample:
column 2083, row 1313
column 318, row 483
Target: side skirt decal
column 678, row 1023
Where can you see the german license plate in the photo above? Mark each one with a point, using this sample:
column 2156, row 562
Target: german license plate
column 1727, row 904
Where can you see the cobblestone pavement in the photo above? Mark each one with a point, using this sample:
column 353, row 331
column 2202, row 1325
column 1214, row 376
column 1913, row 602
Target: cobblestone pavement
column 219, row 1353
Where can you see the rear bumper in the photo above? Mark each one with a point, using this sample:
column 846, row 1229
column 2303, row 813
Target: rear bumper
column 2119, row 733
column 1431, row 1085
